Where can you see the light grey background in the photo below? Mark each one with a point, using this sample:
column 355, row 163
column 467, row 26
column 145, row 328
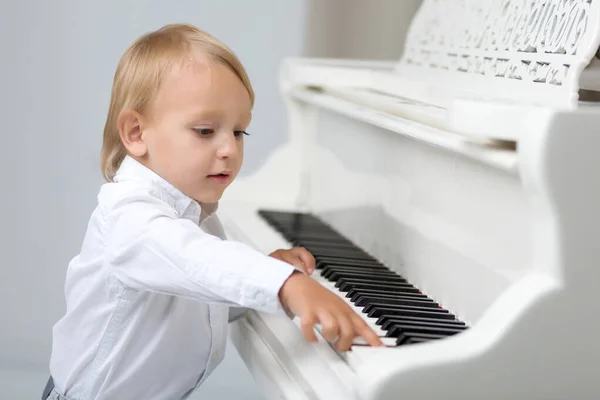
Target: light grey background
column 57, row 63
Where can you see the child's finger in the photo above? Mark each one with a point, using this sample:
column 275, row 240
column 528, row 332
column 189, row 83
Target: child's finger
column 366, row 332
column 307, row 324
column 290, row 258
column 305, row 256
column 330, row 328
column 347, row 334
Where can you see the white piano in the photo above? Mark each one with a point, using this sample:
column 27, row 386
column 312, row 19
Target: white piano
column 469, row 170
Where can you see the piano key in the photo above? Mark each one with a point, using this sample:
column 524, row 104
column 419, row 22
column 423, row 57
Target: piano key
column 381, row 311
column 358, row 269
column 416, row 339
column 363, row 301
column 328, row 243
column 387, row 321
column 375, row 281
column 407, row 338
column 324, row 236
column 389, row 327
column 362, row 274
column 333, row 261
column 337, row 252
column 347, row 286
column 373, row 306
column 397, row 329
column 374, row 269
column 328, row 271
column 343, row 277
column 387, row 341
column 347, row 259
column 354, row 293
column 365, row 273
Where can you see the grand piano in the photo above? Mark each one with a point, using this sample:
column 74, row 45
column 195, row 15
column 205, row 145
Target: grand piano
column 451, row 198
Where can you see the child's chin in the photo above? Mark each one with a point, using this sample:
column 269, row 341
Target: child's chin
column 209, row 197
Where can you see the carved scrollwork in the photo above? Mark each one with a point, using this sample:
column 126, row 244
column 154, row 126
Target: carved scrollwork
column 530, row 40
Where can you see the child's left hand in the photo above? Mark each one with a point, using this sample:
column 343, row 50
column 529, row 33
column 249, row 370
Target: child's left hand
column 298, row 257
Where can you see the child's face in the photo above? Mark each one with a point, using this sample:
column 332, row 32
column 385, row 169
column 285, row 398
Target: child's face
column 194, row 133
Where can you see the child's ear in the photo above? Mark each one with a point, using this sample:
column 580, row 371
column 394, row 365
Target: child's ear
column 130, row 130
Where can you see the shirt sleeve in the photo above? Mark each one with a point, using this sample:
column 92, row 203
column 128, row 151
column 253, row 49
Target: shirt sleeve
column 148, row 247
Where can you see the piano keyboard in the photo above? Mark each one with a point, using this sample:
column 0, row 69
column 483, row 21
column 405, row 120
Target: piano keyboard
column 396, row 310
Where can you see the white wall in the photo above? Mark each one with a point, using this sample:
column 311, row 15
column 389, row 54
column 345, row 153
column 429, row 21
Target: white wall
column 374, row 29
column 57, row 62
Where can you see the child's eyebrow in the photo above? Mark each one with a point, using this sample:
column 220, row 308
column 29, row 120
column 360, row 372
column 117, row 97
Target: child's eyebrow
column 208, row 113
column 216, row 113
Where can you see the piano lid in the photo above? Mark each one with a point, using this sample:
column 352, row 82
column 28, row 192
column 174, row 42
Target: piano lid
column 536, row 53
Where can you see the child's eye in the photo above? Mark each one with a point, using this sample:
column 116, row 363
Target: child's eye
column 239, row 133
column 204, row 131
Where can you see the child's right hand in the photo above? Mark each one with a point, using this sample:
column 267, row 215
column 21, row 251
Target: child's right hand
column 314, row 304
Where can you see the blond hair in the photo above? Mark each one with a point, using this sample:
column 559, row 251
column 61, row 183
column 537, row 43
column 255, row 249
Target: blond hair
column 141, row 70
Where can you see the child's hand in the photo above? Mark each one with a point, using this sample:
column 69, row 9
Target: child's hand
column 314, row 304
column 298, row 256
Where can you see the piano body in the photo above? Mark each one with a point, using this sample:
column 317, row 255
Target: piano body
column 467, row 170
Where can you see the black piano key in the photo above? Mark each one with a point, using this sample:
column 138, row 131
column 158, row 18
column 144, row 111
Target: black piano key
column 388, row 321
column 407, row 338
column 373, row 276
column 349, row 261
column 416, row 339
column 324, row 261
column 364, row 301
column 381, row 311
column 369, row 277
column 327, row 243
column 374, row 280
column 353, row 293
column 375, row 269
column 308, row 231
column 338, row 253
column 345, row 286
column 335, row 272
column 323, row 237
column 382, row 306
column 389, row 326
column 359, row 269
column 348, row 258
column 398, row 329
column 392, row 296
column 321, row 244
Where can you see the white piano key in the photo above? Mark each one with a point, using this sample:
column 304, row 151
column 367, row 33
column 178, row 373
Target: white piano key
column 359, row 341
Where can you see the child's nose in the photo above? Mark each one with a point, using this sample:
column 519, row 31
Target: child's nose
column 227, row 148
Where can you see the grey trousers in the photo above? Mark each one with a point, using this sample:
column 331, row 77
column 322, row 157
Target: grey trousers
column 48, row 389
column 50, row 393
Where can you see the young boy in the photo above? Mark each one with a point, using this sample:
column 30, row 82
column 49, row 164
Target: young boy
column 149, row 295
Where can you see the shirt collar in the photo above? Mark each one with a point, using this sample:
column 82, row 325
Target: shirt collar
column 131, row 169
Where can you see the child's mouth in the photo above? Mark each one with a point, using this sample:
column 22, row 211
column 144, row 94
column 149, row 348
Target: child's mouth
column 219, row 178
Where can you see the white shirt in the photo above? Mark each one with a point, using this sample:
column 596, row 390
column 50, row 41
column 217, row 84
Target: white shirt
column 148, row 297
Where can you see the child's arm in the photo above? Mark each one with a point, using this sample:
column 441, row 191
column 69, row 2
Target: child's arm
column 148, row 247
